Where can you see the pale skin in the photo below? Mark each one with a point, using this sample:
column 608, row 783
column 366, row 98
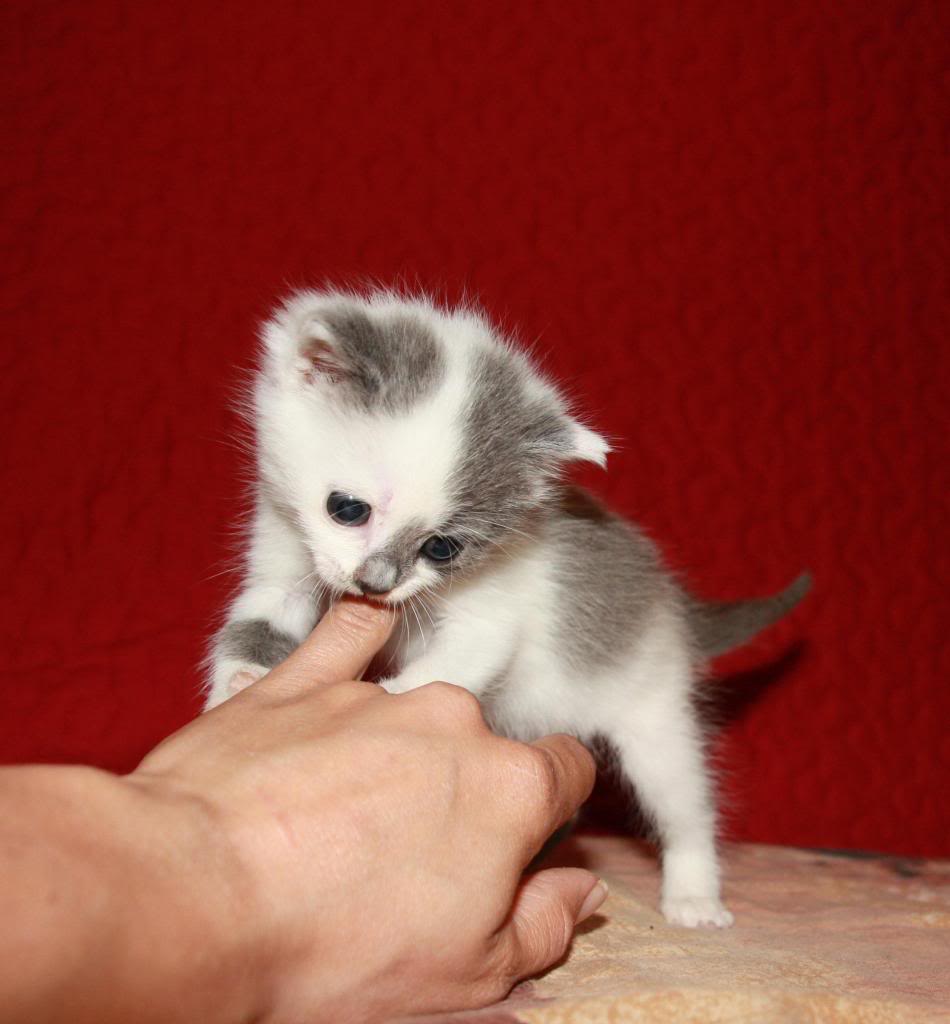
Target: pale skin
column 314, row 849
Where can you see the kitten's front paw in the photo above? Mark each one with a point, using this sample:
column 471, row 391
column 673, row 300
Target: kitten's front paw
column 243, row 679
column 693, row 911
column 231, row 679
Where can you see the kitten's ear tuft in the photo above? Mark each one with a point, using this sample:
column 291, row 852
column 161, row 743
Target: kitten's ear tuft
column 587, row 445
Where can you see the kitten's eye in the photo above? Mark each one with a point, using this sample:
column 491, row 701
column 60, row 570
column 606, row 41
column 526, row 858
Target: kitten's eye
column 441, row 549
column 347, row 510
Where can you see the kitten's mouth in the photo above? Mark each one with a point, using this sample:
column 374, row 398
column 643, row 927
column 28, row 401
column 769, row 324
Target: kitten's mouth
column 343, row 583
column 383, row 600
column 387, row 598
column 390, row 598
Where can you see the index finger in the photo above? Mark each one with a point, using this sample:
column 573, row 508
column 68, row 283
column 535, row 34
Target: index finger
column 339, row 649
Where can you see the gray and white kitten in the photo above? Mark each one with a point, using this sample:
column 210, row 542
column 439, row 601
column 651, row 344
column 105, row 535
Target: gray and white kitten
column 411, row 453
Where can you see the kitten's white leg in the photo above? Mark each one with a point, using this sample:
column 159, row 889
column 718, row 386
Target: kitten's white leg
column 442, row 666
column 271, row 615
column 264, row 625
column 457, row 653
column 661, row 750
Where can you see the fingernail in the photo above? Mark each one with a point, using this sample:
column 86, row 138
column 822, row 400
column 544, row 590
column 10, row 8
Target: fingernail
column 595, row 898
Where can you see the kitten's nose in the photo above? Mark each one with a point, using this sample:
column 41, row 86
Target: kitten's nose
column 377, row 575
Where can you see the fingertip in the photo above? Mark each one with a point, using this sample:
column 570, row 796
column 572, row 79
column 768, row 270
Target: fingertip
column 361, row 616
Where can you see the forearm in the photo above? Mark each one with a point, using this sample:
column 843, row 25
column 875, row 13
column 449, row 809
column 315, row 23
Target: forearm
column 125, row 906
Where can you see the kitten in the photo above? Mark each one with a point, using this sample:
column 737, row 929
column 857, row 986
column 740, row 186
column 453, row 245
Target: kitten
column 411, row 453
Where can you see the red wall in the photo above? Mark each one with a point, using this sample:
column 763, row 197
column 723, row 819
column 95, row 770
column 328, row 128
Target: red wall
column 724, row 222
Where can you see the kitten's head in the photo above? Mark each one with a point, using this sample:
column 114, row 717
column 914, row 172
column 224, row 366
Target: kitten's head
column 408, row 443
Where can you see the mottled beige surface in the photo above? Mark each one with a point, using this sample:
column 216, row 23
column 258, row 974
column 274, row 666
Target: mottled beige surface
column 818, row 937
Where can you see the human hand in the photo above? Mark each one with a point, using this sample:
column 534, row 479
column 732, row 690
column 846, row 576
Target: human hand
column 375, row 844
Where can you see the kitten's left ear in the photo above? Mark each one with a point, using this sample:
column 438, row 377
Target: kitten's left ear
column 586, row 445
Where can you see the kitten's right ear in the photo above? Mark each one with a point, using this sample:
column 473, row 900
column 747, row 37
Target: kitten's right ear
column 301, row 346
column 317, row 355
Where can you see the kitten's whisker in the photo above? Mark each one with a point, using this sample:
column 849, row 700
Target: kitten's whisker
column 503, row 526
column 487, row 541
column 420, row 601
column 320, row 589
column 405, row 622
column 393, row 647
column 425, row 608
column 222, row 572
column 412, row 608
column 486, row 538
column 422, row 634
column 506, row 527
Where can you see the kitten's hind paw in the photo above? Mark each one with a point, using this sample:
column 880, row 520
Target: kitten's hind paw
column 693, row 911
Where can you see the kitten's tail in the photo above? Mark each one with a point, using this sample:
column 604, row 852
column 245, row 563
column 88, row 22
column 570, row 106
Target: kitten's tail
column 721, row 626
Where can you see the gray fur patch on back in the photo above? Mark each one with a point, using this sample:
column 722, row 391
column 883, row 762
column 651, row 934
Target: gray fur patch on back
column 392, row 361
column 511, row 440
column 609, row 579
column 255, row 641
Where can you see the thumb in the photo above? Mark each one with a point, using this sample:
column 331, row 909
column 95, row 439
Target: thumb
column 546, row 910
column 339, row 649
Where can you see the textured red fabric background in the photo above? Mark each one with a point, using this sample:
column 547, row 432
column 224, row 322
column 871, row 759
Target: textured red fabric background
column 724, row 222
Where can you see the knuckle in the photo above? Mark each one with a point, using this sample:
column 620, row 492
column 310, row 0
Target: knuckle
column 558, row 932
column 503, row 970
column 546, row 937
column 540, row 941
column 546, row 779
column 493, row 986
column 574, row 763
column 562, row 931
column 456, row 703
column 344, row 696
column 570, row 744
column 535, row 778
